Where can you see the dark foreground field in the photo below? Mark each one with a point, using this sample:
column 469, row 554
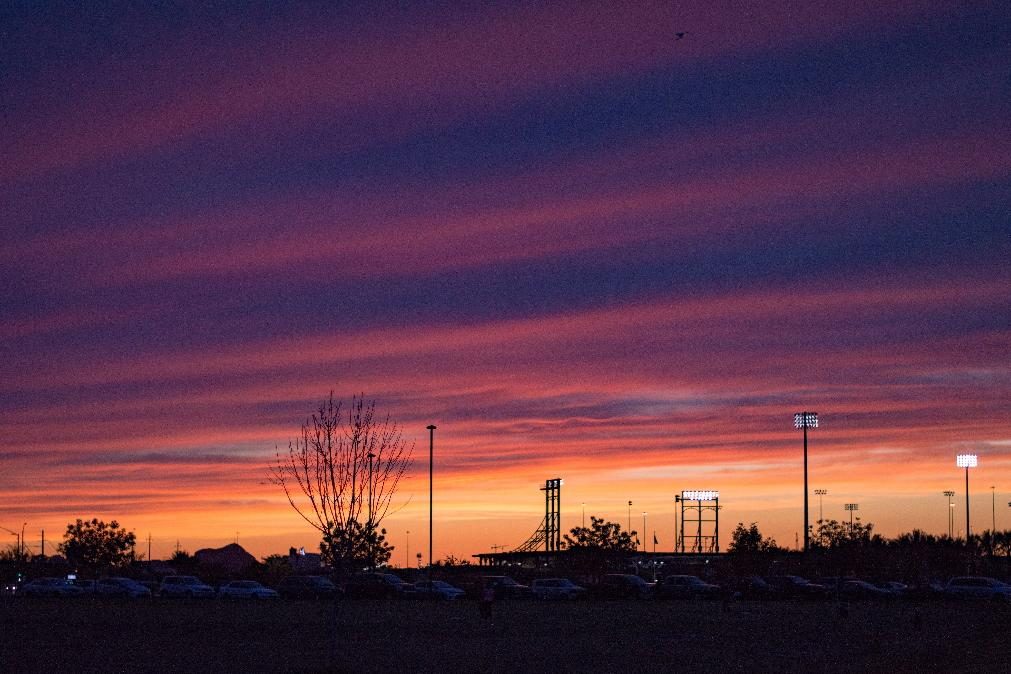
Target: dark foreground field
column 53, row 635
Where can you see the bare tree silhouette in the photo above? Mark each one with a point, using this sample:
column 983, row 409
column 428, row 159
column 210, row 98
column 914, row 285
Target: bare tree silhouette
column 341, row 474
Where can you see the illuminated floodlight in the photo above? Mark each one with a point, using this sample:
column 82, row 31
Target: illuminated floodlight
column 805, row 420
column 966, row 460
column 851, row 507
column 820, row 492
column 700, row 495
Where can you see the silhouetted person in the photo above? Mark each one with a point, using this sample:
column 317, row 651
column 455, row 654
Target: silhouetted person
column 487, row 598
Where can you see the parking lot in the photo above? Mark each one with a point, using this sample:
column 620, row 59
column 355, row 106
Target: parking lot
column 390, row 635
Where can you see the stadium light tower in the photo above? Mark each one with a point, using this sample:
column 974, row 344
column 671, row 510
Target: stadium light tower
column 852, row 507
column 805, row 420
column 966, row 461
column 951, row 513
column 821, row 511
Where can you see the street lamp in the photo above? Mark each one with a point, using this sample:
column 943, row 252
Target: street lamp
column 951, row 513
column 993, row 510
column 431, row 471
column 805, row 420
column 966, row 461
column 371, row 456
column 851, row 507
column 821, row 512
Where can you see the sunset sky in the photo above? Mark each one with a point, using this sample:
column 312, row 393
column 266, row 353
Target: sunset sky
column 582, row 247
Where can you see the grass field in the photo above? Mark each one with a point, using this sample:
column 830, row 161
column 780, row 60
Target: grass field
column 53, row 635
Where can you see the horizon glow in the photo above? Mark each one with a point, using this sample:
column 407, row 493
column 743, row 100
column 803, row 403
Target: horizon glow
column 578, row 246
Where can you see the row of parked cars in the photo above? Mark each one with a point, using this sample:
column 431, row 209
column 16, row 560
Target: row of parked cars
column 611, row 586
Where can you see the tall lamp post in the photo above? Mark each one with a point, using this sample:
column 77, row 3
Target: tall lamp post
column 821, row 511
column 966, row 461
column 371, row 456
column 851, row 507
column 630, row 518
column 431, row 471
column 951, row 513
column 993, row 510
column 805, row 420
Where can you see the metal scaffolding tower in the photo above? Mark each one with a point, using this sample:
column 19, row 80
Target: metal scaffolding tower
column 550, row 531
column 699, row 510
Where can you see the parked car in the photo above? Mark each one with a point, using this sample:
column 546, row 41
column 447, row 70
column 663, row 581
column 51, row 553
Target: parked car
column 754, row 587
column 506, row 588
column 246, row 589
column 977, row 587
column 378, row 586
column 795, row 587
column 50, row 587
column 623, row 586
column 437, row 589
column 685, row 587
column 896, row 588
column 556, row 588
column 307, row 587
column 861, row 589
column 87, row 586
column 121, row 587
column 190, row 587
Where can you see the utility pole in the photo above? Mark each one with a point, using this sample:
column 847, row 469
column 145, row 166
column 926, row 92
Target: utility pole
column 431, row 492
column 43, row 546
column 149, row 547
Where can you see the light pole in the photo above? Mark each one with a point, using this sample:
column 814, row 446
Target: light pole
column 851, row 507
column 629, row 518
column 951, row 513
column 644, row 526
column 677, row 504
column 821, row 512
column 966, row 461
column 371, row 457
column 805, row 420
column 993, row 510
column 431, row 472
